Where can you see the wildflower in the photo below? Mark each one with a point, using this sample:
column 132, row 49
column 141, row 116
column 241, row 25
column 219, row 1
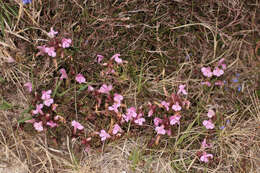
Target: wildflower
column 42, row 50
column 211, row 113
column 239, row 88
column 53, row 107
column 27, row 1
column 65, row 43
column 114, row 107
column 52, row 33
column 235, row 80
column 28, row 85
column 204, row 144
column 221, row 63
column 104, row 135
column 99, row 58
column 219, row 83
column 206, row 71
column 50, row 51
column 208, row 124
column 150, row 113
column 126, row 118
column 63, row 74
column 160, row 130
column 132, row 112
column 175, row 119
column 206, row 83
column 38, row 126
column 48, row 102
column 168, row 132
column 117, row 59
column 76, row 126
column 165, row 104
column 80, row 78
column 182, row 90
column 205, row 157
column 90, row 88
column 118, row 98
column 116, row 129
column 38, row 109
column 51, row 124
column 221, row 127
column 10, row 60
column 105, row 89
column 157, row 121
column 46, row 95
column 176, row 107
column 140, row 121
column 218, row 72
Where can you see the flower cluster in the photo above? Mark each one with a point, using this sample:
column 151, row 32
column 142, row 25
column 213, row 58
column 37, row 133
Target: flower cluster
column 218, row 71
column 54, row 45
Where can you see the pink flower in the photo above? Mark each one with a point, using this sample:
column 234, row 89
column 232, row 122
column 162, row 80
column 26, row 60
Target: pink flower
column 218, row 72
column 51, row 124
column 206, row 83
column 53, row 107
column 150, row 113
column 175, row 119
column 28, row 85
column 104, row 135
column 116, row 129
column 117, row 59
column 165, row 104
column 48, row 102
column 90, row 88
column 176, row 107
column 157, row 121
column 10, row 60
column 132, row 112
column 182, row 90
column 140, row 121
column 219, row 83
column 160, row 130
column 221, row 63
column 105, row 89
column 46, row 95
column 206, row 71
column 63, row 74
column 205, row 157
column 169, row 132
column 114, row 107
column 50, row 51
column 80, row 78
column 42, row 50
column 208, row 124
column 118, row 98
column 52, row 33
column 204, row 144
column 38, row 109
column 99, row 58
column 38, row 126
column 76, row 126
column 211, row 113
column 65, row 42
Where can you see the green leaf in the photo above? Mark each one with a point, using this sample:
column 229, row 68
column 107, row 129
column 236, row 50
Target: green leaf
column 5, row 105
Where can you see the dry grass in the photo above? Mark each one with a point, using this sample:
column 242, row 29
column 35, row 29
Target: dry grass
column 165, row 43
